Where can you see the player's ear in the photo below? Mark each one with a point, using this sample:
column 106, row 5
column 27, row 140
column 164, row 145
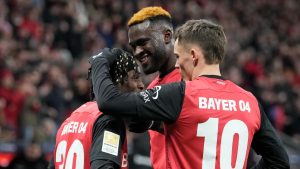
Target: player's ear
column 125, row 80
column 168, row 36
column 194, row 55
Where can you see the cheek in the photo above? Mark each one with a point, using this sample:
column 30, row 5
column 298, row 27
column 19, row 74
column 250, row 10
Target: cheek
column 149, row 47
column 186, row 68
column 132, row 86
column 184, row 63
column 158, row 50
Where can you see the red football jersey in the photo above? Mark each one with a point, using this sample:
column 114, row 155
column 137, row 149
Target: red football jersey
column 157, row 140
column 215, row 127
column 74, row 139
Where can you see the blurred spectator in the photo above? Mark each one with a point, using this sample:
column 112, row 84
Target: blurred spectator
column 44, row 45
column 30, row 158
column 11, row 100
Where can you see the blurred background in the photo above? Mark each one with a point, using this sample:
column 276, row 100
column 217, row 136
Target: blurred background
column 44, row 46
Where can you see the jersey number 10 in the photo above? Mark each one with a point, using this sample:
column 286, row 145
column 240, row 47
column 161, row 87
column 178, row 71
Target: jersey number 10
column 209, row 130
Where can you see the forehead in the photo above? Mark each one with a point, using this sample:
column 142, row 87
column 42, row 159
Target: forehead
column 140, row 30
column 132, row 73
column 177, row 46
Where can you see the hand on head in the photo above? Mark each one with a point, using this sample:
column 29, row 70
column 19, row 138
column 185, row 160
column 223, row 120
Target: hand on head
column 109, row 54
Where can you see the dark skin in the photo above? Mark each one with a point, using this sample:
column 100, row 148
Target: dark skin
column 152, row 44
column 132, row 82
column 142, row 38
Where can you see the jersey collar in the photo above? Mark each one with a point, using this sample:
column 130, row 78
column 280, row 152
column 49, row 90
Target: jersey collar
column 161, row 75
column 213, row 76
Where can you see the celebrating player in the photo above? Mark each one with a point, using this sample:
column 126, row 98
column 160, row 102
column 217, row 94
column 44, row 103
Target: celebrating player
column 150, row 35
column 209, row 121
column 90, row 139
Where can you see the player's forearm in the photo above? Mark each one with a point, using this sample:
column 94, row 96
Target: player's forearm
column 152, row 104
column 269, row 146
column 109, row 99
column 262, row 164
column 273, row 155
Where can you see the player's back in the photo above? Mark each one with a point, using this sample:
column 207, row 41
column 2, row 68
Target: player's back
column 215, row 127
column 74, row 138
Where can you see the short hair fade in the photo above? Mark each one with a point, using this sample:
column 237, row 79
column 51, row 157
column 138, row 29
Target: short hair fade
column 149, row 13
column 209, row 36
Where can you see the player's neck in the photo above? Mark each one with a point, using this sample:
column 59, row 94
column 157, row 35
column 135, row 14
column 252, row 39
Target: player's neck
column 169, row 65
column 207, row 70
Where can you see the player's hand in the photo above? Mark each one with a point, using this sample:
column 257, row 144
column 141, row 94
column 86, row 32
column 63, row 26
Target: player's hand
column 109, row 54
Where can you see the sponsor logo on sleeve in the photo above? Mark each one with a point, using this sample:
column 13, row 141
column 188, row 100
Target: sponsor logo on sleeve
column 155, row 93
column 110, row 143
column 146, row 94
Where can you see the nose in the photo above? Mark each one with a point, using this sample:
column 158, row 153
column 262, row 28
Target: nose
column 177, row 64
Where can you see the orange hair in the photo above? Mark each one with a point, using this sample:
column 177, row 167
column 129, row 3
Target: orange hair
column 146, row 13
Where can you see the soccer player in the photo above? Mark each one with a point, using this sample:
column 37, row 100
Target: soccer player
column 209, row 121
column 90, row 139
column 150, row 33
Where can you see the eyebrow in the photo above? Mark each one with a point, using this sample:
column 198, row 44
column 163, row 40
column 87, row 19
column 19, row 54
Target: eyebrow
column 139, row 41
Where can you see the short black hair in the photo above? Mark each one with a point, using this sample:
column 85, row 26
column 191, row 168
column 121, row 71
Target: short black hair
column 119, row 69
column 121, row 66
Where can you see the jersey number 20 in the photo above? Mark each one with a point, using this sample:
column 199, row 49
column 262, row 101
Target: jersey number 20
column 209, row 130
column 66, row 157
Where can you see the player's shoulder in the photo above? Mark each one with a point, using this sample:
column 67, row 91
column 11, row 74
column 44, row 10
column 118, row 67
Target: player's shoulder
column 90, row 106
column 154, row 82
column 109, row 118
column 239, row 89
column 243, row 92
column 174, row 76
column 89, row 110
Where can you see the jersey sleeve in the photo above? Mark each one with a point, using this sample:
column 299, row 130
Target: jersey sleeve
column 137, row 125
column 161, row 103
column 109, row 135
column 269, row 146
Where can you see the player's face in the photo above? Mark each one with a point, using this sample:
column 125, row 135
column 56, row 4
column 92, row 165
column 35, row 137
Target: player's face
column 184, row 61
column 148, row 46
column 133, row 82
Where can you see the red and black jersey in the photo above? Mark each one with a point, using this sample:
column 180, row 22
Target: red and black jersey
column 157, row 140
column 210, row 122
column 87, row 136
column 215, row 127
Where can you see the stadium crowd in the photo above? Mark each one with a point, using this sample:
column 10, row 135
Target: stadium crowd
column 44, row 46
